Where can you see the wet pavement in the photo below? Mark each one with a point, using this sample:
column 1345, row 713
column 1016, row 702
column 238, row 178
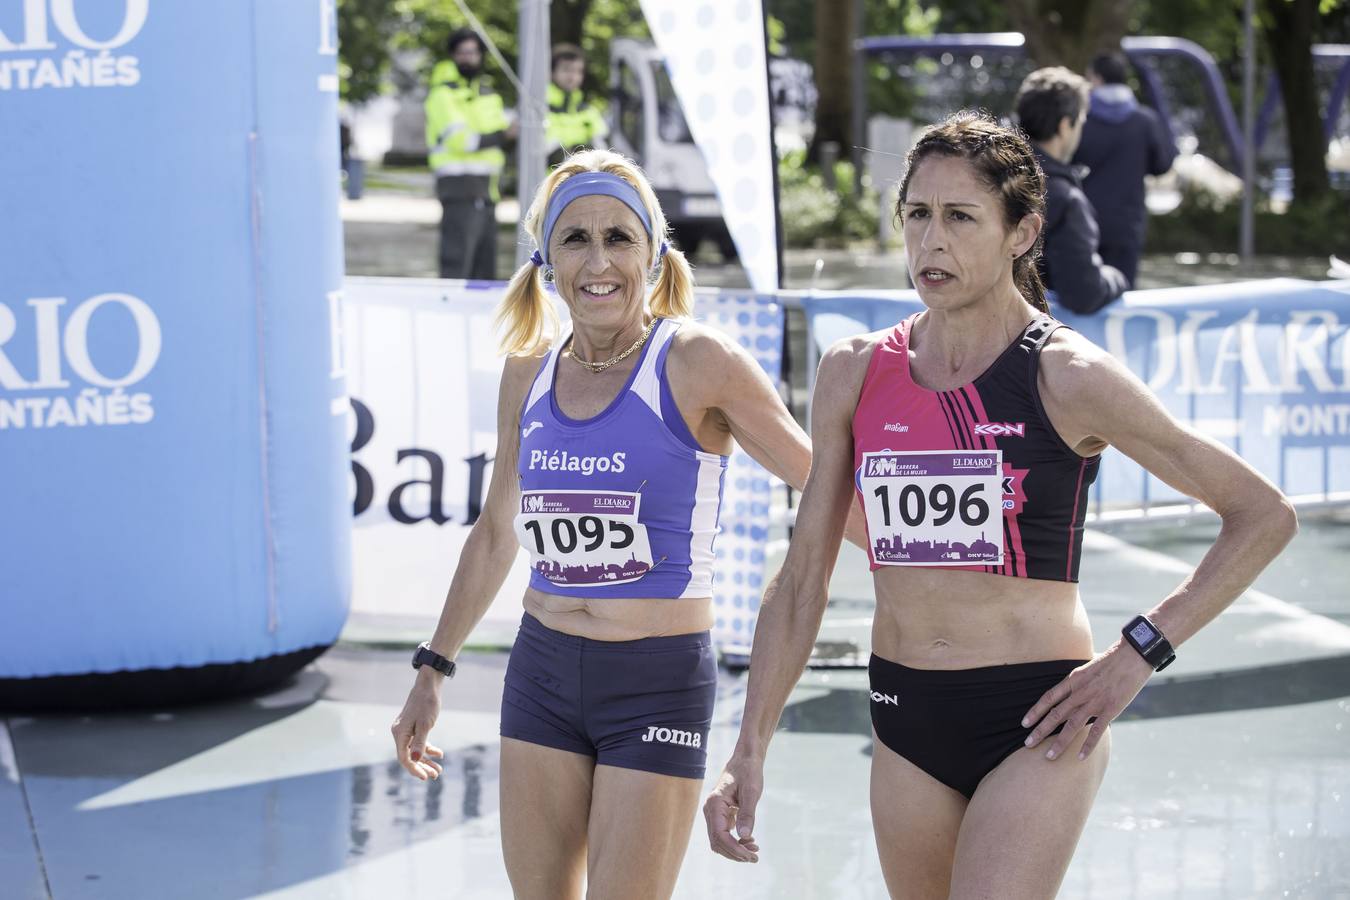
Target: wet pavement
column 1230, row 776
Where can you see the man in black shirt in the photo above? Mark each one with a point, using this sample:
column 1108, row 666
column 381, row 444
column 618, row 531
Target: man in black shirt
column 1122, row 142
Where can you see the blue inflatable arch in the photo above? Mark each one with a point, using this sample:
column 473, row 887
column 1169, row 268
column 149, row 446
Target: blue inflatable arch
column 174, row 522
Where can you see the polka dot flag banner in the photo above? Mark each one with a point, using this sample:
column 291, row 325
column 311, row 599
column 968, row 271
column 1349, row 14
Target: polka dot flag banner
column 714, row 53
column 738, row 578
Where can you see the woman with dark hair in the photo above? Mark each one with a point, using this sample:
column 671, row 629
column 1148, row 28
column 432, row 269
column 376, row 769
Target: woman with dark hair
column 970, row 433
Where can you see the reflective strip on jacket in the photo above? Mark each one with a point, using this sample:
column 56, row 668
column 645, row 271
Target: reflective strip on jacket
column 573, row 121
column 459, row 114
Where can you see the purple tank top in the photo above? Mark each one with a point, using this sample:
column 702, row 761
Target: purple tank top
column 622, row 504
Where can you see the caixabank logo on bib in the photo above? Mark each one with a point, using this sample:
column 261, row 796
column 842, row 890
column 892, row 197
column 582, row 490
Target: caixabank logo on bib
column 62, row 386
column 52, row 47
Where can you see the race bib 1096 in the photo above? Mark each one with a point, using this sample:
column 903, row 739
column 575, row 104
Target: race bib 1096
column 584, row 538
column 934, row 507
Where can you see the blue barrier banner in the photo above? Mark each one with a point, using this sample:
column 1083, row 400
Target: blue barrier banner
column 172, row 408
column 1261, row 366
column 423, row 374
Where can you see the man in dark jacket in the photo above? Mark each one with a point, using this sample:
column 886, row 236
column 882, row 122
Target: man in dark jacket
column 1051, row 107
column 1122, row 142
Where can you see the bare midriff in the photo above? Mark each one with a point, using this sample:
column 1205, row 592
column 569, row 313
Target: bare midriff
column 928, row 618
column 620, row 619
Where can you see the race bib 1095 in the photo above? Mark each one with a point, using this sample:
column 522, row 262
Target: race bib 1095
column 584, row 538
column 934, row 507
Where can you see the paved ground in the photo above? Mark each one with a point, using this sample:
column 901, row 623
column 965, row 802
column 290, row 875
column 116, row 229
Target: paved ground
column 395, row 234
column 1230, row 777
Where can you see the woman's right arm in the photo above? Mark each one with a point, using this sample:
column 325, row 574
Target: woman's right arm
column 794, row 603
column 483, row 565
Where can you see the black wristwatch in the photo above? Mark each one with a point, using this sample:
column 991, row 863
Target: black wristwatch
column 1149, row 642
column 425, row 656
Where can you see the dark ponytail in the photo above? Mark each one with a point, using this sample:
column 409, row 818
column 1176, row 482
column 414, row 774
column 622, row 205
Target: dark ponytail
column 1027, row 277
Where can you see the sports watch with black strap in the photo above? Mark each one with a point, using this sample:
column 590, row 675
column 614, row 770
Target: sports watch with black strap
column 1149, row 642
column 425, row 656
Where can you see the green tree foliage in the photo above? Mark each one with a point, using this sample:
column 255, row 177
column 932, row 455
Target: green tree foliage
column 371, row 31
column 1070, row 32
column 815, row 215
column 1286, row 30
column 366, row 29
column 1215, row 25
column 793, row 30
column 425, row 25
column 1202, row 224
column 887, row 92
column 1064, row 32
column 604, row 21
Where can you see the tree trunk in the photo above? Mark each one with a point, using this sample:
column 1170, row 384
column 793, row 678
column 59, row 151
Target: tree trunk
column 1288, row 27
column 1070, row 32
column 566, row 18
column 835, row 28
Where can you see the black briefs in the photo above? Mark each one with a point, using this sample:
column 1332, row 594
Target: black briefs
column 958, row 724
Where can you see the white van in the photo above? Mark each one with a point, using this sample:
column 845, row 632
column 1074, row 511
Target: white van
column 647, row 124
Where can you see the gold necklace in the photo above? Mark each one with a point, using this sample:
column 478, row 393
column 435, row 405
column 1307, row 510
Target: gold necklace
column 597, row 367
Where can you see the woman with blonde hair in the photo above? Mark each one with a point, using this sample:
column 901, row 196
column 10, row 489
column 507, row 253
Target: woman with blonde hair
column 613, row 440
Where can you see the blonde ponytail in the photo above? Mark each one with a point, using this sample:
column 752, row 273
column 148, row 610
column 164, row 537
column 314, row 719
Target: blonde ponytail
column 673, row 294
column 526, row 315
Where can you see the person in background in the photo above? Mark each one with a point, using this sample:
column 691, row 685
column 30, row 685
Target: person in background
column 573, row 122
column 344, row 136
column 1051, row 107
column 467, row 129
column 1122, row 142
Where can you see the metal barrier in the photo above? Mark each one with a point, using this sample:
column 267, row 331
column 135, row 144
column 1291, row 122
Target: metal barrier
column 1263, row 367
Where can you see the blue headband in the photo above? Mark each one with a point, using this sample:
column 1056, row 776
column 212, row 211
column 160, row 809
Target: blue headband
column 585, row 185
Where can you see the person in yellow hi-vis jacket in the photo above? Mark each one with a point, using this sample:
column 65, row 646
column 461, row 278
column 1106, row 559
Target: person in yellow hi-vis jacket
column 467, row 129
column 573, row 122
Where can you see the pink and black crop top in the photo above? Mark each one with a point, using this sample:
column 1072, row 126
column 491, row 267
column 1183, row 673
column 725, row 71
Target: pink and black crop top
column 974, row 478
